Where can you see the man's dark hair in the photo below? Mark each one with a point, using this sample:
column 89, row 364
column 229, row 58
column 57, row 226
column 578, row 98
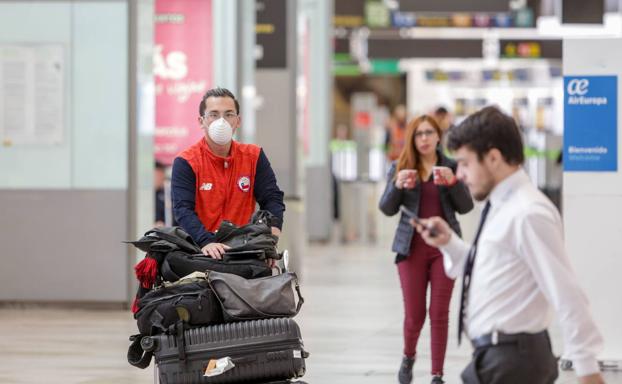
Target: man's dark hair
column 486, row 129
column 441, row 111
column 159, row 165
column 218, row 92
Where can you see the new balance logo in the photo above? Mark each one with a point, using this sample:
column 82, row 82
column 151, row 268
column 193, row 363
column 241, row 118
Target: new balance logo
column 206, row 187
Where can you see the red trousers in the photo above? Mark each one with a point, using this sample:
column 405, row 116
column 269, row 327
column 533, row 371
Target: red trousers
column 423, row 267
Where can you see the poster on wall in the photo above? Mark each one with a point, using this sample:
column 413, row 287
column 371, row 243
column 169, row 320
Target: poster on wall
column 590, row 123
column 183, row 72
column 32, row 95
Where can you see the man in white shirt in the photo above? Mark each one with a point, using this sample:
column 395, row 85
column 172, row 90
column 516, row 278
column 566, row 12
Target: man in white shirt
column 517, row 270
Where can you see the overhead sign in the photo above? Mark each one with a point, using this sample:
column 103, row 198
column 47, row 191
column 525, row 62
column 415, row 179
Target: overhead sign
column 271, row 33
column 350, row 14
column 383, row 48
column 590, row 123
column 583, row 12
column 455, row 6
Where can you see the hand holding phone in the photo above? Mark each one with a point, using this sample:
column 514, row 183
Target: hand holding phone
column 417, row 220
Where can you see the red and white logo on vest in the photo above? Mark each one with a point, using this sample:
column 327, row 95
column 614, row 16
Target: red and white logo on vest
column 244, row 183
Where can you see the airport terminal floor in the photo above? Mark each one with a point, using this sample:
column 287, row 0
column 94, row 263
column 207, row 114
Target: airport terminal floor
column 351, row 324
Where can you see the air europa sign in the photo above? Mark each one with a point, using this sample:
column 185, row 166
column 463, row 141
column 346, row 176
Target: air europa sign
column 576, row 90
column 590, row 123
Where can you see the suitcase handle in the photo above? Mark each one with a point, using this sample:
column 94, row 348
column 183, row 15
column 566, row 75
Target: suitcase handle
column 244, row 360
column 136, row 355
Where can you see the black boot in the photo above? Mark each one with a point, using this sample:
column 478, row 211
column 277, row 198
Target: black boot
column 405, row 375
column 437, row 379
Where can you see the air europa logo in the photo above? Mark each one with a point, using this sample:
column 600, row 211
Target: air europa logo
column 576, row 90
column 577, row 86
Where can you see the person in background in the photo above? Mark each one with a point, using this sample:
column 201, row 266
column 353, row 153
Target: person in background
column 517, row 270
column 445, row 122
column 159, row 175
column 220, row 179
column 396, row 132
column 423, row 181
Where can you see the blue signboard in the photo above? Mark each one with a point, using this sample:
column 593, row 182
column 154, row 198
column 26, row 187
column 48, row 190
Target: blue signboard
column 590, row 123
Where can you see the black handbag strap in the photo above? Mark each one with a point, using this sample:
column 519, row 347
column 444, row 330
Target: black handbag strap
column 136, row 356
column 301, row 300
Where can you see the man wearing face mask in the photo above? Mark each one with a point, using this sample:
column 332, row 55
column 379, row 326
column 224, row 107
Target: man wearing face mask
column 220, row 179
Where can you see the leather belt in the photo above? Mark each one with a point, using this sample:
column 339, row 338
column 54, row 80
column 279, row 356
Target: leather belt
column 496, row 338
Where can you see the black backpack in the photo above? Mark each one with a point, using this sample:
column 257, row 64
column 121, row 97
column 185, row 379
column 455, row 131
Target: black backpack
column 181, row 305
column 189, row 300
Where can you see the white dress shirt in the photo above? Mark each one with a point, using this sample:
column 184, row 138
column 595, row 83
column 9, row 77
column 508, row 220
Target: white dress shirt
column 522, row 272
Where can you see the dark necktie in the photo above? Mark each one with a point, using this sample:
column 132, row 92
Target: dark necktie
column 468, row 270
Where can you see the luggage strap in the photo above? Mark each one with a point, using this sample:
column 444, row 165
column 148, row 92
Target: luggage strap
column 178, row 330
column 136, row 356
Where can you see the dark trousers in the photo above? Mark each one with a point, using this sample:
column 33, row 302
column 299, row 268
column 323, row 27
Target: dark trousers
column 528, row 360
column 424, row 267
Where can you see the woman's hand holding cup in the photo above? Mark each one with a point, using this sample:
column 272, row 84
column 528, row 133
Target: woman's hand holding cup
column 444, row 176
column 406, row 179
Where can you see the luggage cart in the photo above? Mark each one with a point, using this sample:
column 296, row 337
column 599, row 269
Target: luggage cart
column 149, row 343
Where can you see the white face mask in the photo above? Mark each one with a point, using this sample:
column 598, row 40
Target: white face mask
column 220, row 131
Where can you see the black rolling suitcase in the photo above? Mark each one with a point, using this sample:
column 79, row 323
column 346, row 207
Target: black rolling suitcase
column 262, row 351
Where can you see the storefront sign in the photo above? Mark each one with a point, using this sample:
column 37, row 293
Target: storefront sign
column 377, row 14
column 590, row 123
column 520, row 49
column 530, row 49
column 403, row 19
column 183, row 72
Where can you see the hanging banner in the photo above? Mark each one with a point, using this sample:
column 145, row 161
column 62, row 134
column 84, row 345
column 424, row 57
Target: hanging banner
column 183, row 72
column 590, row 123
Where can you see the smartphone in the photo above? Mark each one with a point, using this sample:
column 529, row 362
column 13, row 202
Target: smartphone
column 417, row 220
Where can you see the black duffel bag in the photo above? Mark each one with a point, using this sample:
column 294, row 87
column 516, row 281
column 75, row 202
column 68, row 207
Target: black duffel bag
column 178, row 264
column 190, row 300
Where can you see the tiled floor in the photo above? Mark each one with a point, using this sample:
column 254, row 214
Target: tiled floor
column 351, row 323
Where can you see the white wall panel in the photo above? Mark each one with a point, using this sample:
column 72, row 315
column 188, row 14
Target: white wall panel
column 38, row 165
column 100, row 90
column 593, row 202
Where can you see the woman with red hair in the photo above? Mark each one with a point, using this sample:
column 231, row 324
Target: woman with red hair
column 423, row 180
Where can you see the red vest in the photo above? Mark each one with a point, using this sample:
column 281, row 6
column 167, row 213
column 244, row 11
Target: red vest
column 224, row 185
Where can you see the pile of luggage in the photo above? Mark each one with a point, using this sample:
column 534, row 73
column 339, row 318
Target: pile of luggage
column 217, row 321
